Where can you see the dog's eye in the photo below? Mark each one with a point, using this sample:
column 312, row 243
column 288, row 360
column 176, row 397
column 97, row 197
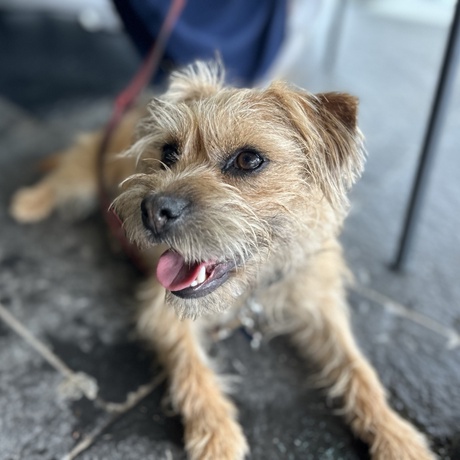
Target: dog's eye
column 245, row 161
column 169, row 154
column 248, row 160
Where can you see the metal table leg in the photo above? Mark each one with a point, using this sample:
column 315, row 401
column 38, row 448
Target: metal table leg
column 431, row 140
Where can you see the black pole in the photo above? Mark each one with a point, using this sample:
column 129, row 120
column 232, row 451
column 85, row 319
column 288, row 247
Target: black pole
column 431, row 139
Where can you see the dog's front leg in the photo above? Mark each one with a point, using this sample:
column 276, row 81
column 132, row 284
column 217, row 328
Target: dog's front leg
column 209, row 417
column 323, row 334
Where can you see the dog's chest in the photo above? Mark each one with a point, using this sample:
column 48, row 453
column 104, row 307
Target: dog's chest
column 254, row 317
column 249, row 318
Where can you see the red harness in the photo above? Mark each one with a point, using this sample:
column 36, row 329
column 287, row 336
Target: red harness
column 124, row 101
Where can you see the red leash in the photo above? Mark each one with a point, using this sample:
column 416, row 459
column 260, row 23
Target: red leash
column 124, row 101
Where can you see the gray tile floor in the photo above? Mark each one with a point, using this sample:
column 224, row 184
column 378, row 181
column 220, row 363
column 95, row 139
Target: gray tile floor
column 61, row 285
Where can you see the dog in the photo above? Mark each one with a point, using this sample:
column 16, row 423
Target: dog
column 236, row 195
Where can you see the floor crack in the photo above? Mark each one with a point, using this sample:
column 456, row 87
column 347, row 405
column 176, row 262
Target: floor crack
column 115, row 411
column 76, row 383
column 452, row 336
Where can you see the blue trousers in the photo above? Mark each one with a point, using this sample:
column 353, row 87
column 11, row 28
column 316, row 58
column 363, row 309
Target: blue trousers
column 247, row 34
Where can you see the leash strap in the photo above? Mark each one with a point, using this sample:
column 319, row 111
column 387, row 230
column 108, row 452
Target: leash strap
column 124, row 101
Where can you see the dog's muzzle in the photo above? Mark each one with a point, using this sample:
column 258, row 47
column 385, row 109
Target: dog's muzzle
column 162, row 215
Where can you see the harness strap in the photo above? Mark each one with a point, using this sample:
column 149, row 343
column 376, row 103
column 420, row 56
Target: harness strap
column 124, row 101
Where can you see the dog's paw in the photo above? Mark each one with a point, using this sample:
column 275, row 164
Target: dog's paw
column 222, row 441
column 32, row 204
column 401, row 442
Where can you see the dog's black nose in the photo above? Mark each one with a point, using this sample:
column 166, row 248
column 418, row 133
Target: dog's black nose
column 161, row 212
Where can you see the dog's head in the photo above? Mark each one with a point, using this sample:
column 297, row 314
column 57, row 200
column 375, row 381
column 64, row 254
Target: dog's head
column 239, row 184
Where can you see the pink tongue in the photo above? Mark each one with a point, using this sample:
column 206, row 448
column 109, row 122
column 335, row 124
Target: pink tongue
column 173, row 273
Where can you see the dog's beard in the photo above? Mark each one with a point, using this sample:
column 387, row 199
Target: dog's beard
column 217, row 301
column 223, row 230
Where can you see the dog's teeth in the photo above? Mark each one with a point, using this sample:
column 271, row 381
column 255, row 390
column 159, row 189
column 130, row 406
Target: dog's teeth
column 201, row 278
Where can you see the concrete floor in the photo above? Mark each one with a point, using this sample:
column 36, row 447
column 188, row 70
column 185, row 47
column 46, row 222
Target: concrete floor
column 62, row 284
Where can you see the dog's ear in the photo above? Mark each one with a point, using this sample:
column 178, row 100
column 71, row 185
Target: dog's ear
column 326, row 125
column 341, row 106
column 196, row 81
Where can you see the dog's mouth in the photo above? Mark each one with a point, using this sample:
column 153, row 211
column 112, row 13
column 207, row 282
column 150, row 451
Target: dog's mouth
column 190, row 281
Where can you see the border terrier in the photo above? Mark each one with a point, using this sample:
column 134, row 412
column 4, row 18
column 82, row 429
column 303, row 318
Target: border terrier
column 235, row 195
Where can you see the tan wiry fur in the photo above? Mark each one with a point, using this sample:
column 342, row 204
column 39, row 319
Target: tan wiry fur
column 278, row 225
